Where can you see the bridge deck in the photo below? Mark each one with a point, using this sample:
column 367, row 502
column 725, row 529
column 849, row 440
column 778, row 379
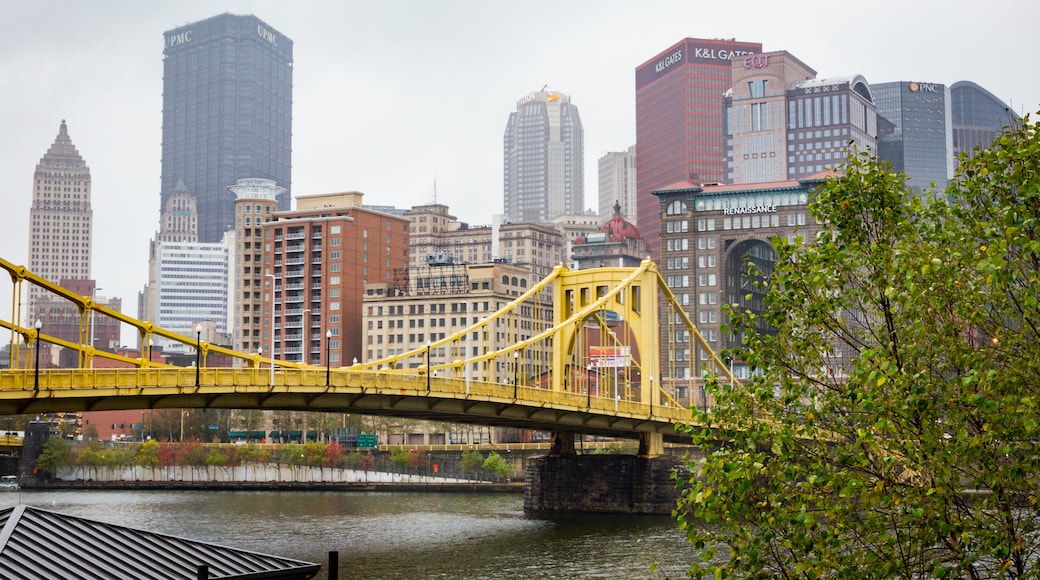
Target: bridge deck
column 367, row 392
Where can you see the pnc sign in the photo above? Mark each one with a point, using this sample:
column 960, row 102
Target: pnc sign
column 923, row 87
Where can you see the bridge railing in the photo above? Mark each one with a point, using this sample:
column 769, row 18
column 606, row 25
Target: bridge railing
column 180, row 381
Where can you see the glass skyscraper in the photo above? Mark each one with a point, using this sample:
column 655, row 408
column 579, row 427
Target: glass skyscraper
column 915, row 131
column 978, row 117
column 543, row 159
column 227, row 113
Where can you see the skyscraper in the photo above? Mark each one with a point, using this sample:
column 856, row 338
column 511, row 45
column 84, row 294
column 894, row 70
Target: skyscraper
column 256, row 200
column 543, row 159
column 60, row 218
column 784, row 123
column 191, row 289
column 978, row 117
column 680, row 121
column 177, row 223
column 617, row 184
column 227, row 113
column 915, row 131
column 317, row 260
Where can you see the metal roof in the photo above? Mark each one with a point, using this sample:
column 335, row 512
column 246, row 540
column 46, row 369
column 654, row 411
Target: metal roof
column 38, row 543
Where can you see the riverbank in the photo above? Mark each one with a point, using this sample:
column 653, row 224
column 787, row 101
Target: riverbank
column 381, row 486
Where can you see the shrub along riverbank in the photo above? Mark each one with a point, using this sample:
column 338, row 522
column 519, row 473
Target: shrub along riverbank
column 170, row 463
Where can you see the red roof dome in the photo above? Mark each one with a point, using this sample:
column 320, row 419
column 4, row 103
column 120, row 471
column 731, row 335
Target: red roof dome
column 618, row 228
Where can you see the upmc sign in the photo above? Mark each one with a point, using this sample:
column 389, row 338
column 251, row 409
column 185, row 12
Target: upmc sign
column 718, row 53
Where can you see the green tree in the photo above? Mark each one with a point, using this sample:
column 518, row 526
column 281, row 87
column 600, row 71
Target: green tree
column 89, row 457
column 194, row 454
column 148, row 455
column 497, row 466
column 891, row 428
column 215, row 457
column 399, row 456
column 55, row 455
column 472, row 460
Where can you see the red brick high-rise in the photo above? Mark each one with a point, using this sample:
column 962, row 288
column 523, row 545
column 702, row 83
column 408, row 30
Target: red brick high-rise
column 320, row 256
column 680, row 121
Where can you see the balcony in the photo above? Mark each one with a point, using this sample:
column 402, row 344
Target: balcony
column 294, row 299
column 294, row 248
column 293, row 350
column 293, row 286
column 294, row 273
column 295, row 262
column 296, row 235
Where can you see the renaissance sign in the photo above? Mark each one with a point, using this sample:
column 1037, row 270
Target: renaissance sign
column 749, row 210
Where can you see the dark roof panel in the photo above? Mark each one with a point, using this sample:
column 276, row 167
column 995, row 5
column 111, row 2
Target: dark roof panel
column 37, row 543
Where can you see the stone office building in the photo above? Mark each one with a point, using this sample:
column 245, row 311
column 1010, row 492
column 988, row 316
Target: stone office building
column 707, row 235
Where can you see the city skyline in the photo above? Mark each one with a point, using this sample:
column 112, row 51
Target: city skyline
column 381, row 87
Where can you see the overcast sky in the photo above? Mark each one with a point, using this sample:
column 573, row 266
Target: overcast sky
column 391, row 96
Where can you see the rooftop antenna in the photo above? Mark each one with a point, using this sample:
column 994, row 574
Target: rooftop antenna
column 435, row 190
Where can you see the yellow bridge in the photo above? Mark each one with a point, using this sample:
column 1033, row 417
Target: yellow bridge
column 595, row 369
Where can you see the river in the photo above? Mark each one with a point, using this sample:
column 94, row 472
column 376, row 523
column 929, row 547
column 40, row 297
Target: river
column 394, row 535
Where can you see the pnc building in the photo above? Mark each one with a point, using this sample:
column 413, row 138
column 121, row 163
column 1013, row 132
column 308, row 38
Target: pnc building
column 227, row 113
column 915, row 131
column 680, row 121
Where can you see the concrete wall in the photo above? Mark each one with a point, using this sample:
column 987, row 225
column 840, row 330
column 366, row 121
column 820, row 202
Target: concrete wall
column 601, row 483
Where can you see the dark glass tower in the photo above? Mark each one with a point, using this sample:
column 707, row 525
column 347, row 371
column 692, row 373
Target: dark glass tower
column 978, row 117
column 915, row 131
column 227, row 113
column 680, row 121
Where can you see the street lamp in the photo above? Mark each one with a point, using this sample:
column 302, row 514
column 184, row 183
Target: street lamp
column 149, row 350
column 273, row 282
column 588, row 388
column 516, row 370
column 613, row 341
column 427, row 368
column 652, row 395
column 36, row 381
column 328, row 360
column 198, row 351
column 93, row 321
column 305, row 335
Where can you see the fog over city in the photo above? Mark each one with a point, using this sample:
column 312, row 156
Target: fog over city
column 408, row 100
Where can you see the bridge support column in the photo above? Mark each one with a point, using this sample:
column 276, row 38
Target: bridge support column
column 561, row 444
column 651, row 445
column 623, row 484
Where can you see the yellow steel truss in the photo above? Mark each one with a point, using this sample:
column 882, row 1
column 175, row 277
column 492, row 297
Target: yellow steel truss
column 516, row 366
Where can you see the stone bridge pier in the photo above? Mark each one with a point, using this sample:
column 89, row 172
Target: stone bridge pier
column 564, row 482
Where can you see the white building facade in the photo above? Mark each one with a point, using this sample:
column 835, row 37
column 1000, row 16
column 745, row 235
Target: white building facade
column 191, row 288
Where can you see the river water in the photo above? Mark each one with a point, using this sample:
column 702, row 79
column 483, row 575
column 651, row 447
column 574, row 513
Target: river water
column 394, row 535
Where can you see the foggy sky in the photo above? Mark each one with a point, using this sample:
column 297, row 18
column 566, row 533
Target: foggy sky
column 391, row 97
